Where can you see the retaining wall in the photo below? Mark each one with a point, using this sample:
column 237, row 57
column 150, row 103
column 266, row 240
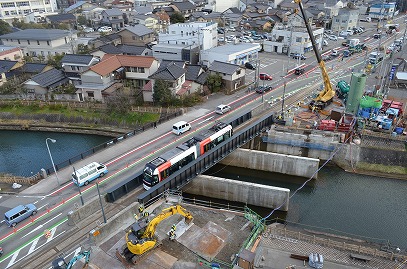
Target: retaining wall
column 239, row 191
column 273, row 162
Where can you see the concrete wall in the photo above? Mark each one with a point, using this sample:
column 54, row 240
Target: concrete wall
column 239, row 191
column 273, row 162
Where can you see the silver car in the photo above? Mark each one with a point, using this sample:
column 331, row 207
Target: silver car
column 222, row 109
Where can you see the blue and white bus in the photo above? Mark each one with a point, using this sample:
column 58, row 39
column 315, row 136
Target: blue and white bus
column 88, row 173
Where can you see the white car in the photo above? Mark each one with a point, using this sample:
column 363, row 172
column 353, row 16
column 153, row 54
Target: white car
column 221, row 39
column 324, row 42
column 333, row 37
column 88, row 30
column 334, row 53
column 222, row 109
column 105, row 29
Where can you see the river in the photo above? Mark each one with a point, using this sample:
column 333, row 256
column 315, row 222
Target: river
column 23, row 152
column 338, row 202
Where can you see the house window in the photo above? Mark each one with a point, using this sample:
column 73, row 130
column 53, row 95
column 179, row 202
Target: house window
column 91, row 94
column 6, row 13
column 73, row 68
column 298, row 39
column 28, row 41
column 18, row 40
column 141, row 70
column 134, row 37
column 38, row 42
column 42, row 53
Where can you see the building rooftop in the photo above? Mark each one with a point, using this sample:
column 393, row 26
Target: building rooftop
column 6, row 65
column 37, row 34
column 61, row 17
column 50, row 78
column 113, row 12
column 110, row 63
column 171, row 72
column 138, row 29
column 77, row 59
column 234, row 48
column 225, row 68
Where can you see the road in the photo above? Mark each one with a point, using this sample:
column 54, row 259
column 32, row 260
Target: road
column 126, row 158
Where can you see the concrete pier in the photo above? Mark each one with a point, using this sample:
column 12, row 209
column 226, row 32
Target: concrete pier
column 273, row 162
column 239, row 191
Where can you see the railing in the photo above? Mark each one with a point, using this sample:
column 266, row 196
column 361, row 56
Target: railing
column 327, row 242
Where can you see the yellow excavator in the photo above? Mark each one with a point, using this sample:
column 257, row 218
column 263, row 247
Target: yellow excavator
column 326, row 96
column 140, row 239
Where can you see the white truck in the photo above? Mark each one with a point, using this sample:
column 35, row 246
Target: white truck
column 353, row 42
column 375, row 57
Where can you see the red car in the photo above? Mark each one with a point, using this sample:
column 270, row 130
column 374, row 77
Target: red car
column 264, row 76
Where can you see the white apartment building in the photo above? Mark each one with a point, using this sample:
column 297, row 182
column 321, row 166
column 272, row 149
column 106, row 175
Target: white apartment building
column 41, row 42
column 204, row 34
column 222, row 5
column 10, row 10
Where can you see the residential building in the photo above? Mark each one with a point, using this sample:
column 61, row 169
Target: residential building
column 186, row 8
column 41, row 42
column 292, row 40
column 233, row 76
column 195, row 78
column 45, row 83
column 347, row 19
column 78, row 6
column 10, row 10
column 113, row 39
column 177, row 52
column 75, row 64
column 150, row 21
column 11, row 53
column 138, row 35
column 222, row 5
column 104, row 78
column 61, row 18
column 237, row 54
column 31, row 69
column 382, row 10
column 122, row 50
column 6, row 67
column 202, row 33
column 173, row 73
column 113, row 18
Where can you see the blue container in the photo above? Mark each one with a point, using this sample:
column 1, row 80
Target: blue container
column 365, row 114
column 398, row 130
column 376, row 110
column 367, row 109
column 386, row 124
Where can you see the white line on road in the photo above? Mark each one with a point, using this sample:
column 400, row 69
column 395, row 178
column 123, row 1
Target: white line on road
column 33, row 245
column 42, row 206
column 11, row 262
column 42, row 225
column 208, row 119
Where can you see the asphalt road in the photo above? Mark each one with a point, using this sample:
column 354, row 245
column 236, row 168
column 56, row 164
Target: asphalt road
column 128, row 157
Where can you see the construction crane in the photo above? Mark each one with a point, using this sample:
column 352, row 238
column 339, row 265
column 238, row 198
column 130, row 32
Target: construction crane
column 60, row 263
column 326, row 96
column 141, row 239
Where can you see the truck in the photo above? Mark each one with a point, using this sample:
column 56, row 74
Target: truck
column 141, row 238
column 325, row 96
column 375, row 57
column 353, row 42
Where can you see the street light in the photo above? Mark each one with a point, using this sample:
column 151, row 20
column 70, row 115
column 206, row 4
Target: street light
column 52, row 161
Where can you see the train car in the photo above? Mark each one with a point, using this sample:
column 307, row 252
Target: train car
column 163, row 166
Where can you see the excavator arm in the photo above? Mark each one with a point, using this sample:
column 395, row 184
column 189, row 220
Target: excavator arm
column 328, row 93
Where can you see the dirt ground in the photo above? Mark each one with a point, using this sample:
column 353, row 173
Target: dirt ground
column 237, row 225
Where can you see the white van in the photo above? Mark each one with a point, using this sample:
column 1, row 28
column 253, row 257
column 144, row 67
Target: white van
column 88, row 173
column 181, row 127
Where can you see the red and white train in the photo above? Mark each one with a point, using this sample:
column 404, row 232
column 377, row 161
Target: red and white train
column 162, row 167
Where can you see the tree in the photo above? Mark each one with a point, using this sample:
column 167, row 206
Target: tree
column 214, row 82
column 83, row 49
column 82, row 20
column 5, row 28
column 55, row 61
column 162, row 94
column 177, row 17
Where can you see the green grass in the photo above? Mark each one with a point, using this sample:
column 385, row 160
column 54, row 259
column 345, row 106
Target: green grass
column 128, row 118
column 382, row 168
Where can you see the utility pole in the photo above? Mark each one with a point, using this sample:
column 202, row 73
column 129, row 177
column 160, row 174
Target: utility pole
column 289, row 47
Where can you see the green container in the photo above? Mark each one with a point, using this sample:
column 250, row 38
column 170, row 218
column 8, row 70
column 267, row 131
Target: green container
column 377, row 103
column 357, row 88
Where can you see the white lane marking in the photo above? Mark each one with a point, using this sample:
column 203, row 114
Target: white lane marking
column 208, row 119
column 42, row 225
column 22, row 258
column 33, row 245
column 53, row 230
column 13, row 258
column 1, row 197
column 2, row 221
column 29, row 196
column 42, row 206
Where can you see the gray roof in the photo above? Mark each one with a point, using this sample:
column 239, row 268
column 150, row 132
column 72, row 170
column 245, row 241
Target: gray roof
column 182, row 6
column 32, row 67
column 76, row 5
column 113, row 12
column 61, row 17
column 193, row 72
column 131, row 49
column 225, row 68
column 143, row 9
column 37, row 34
column 170, row 72
column 50, row 78
column 110, row 49
column 77, row 59
column 6, row 65
column 201, row 79
column 138, row 29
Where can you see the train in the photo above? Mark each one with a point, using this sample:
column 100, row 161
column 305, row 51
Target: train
column 171, row 161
